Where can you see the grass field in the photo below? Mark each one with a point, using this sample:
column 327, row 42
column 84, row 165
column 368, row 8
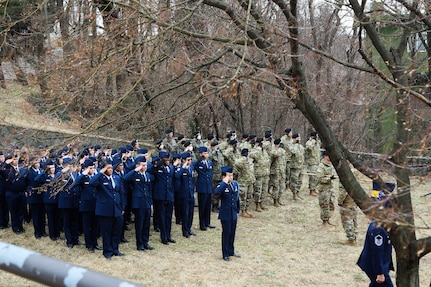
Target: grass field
column 284, row 246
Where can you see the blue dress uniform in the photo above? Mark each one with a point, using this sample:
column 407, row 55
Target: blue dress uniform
column 376, row 256
column 141, row 201
column 110, row 204
column 48, row 184
column 4, row 210
column 68, row 203
column 35, row 200
column 15, row 186
column 228, row 215
column 87, row 208
column 186, row 196
column 163, row 196
column 204, row 189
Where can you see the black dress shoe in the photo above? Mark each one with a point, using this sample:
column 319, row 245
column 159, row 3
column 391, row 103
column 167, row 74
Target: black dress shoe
column 226, row 258
column 108, row 257
column 140, row 249
column 192, row 233
column 119, row 254
column 53, row 238
column 98, row 248
column 171, row 240
column 44, row 234
column 90, row 249
column 78, row 243
column 236, row 255
column 211, row 226
column 148, row 247
column 186, row 235
column 204, row 229
column 70, row 245
column 165, row 242
column 38, row 236
column 124, row 240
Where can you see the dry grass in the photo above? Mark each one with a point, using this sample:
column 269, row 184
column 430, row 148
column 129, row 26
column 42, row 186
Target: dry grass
column 281, row 247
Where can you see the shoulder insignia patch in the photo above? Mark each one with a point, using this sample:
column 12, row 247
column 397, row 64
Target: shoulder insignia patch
column 378, row 240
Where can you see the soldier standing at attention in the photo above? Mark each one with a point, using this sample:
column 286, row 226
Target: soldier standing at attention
column 296, row 165
column 244, row 169
column 278, row 171
column 204, row 168
column 217, row 160
column 228, row 190
column 348, row 211
column 325, row 176
column 110, row 206
column 287, row 142
column 262, row 164
column 312, row 159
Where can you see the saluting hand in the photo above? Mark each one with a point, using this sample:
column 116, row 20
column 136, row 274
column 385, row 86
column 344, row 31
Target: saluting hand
column 380, row 278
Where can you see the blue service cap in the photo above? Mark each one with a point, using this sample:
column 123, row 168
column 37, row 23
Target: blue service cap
column 142, row 151
column 67, row 160
column 88, row 162
column 226, row 169
column 116, row 162
column 129, row 148
column 163, row 154
column 185, row 155
column 140, row 159
column 176, row 156
column 202, row 149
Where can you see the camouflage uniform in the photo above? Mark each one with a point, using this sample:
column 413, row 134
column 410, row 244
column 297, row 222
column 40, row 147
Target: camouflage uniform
column 278, row 173
column 230, row 154
column 244, row 168
column 296, row 167
column 262, row 163
column 217, row 159
column 348, row 211
column 325, row 175
column 287, row 145
column 312, row 159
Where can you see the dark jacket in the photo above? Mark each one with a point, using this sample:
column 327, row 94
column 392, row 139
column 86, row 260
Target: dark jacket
column 229, row 200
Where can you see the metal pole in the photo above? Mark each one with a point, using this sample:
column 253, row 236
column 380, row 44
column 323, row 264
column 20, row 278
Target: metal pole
column 53, row 272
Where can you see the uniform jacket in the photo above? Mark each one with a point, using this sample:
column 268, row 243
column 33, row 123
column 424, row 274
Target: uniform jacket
column 68, row 197
column 49, row 186
column 33, row 194
column 141, row 186
column 184, row 176
column 229, row 200
column 376, row 257
column 110, row 201
column 163, row 188
column 205, row 176
column 324, row 173
column 87, row 196
column 14, row 181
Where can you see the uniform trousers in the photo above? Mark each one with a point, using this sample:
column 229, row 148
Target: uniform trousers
column 16, row 203
column 204, row 207
column 142, row 226
column 164, row 214
column 228, row 237
column 111, row 227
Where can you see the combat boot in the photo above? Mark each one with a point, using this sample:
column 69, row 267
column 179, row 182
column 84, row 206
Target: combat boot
column 313, row 192
column 279, row 202
column 276, row 204
column 243, row 214
column 294, row 197
column 262, row 206
column 249, row 214
column 350, row 242
column 325, row 223
column 258, row 208
column 298, row 196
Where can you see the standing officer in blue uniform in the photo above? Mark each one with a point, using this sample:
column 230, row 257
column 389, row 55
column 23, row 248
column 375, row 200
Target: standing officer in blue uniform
column 203, row 167
column 186, row 193
column 68, row 201
column 110, row 205
column 49, row 185
column 15, row 185
column 376, row 257
column 4, row 210
column 163, row 195
column 87, row 207
column 35, row 199
column 228, row 190
column 141, row 201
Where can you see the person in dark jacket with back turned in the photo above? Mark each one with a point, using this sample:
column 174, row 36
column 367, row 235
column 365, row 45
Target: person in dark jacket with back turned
column 228, row 190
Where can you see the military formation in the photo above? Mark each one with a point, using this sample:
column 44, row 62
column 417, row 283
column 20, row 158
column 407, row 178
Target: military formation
column 100, row 192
